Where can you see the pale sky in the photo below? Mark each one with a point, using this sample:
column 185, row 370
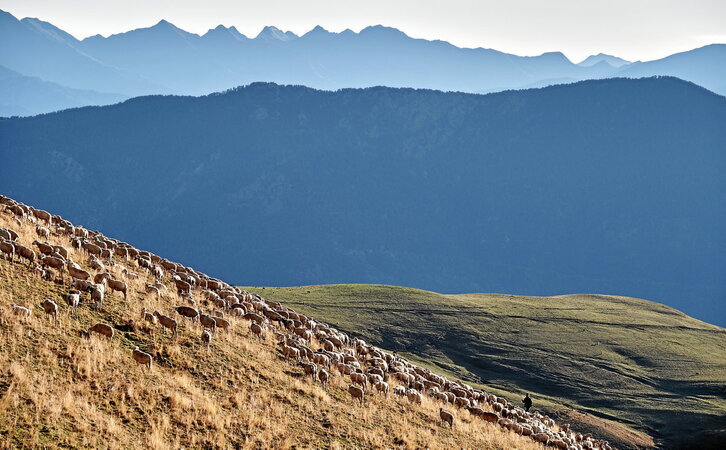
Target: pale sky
column 632, row 29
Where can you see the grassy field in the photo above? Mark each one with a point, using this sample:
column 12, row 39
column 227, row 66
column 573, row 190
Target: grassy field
column 59, row 390
column 634, row 362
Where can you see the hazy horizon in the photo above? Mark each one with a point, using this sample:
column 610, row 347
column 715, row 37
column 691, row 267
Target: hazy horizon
column 643, row 31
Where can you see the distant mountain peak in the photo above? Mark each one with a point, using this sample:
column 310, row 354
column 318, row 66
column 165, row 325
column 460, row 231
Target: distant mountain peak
column 600, row 57
column 553, row 56
column 49, row 30
column 221, row 30
column 382, row 30
column 272, row 33
column 318, row 31
column 164, row 23
column 4, row 15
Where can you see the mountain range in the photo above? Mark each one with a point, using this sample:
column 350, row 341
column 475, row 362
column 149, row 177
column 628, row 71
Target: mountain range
column 21, row 95
column 604, row 186
column 164, row 59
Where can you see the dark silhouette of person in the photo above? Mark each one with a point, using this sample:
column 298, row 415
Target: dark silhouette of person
column 527, row 401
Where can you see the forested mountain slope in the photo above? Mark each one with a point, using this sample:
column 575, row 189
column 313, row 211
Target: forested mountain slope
column 611, row 186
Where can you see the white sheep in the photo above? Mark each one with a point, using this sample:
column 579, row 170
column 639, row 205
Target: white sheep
column 206, row 338
column 21, row 311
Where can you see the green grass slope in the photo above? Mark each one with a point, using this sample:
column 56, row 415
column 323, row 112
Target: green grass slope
column 635, row 362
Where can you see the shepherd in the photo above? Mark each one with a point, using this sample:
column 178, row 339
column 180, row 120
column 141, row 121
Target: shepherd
column 527, row 401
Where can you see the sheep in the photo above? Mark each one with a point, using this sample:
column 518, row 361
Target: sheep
column 206, row 338
column 256, row 329
column 414, row 396
column 221, row 322
column 487, row 416
column 187, row 311
column 374, row 378
column 73, row 298
column 117, row 285
column 78, row 274
column 149, row 317
column 54, row 262
column 45, row 216
column 462, row 402
column 446, row 417
column 182, row 286
column 50, row 308
column 208, row 322
column 323, row 360
column 541, row 437
column 91, row 249
column 359, row 378
column 8, row 249
column 290, row 352
column 254, row 317
column 8, row 234
column 101, row 277
column 42, row 231
column 98, row 293
column 102, row 328
column 142, row 357
column 382, row 387
column 25, row 253
column 356, row 392
column 166, row 322
column 157, row 272
column 151, row 289
column 309, row 369
column 21, row 310
column 324, row 377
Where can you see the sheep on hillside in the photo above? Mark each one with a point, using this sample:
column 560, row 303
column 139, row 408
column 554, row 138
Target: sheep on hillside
column 324, row 377
column 256, row 329
column 73, row 298
column 356, row 392
column 446, row 417
column 117, row 285
column 50, row 308
column 8, row 249
column 142, row 357
column 166, row 322
column 42, row 231
column 206, row 338
column 102, row 328
column 187, row 311
column 21, row 311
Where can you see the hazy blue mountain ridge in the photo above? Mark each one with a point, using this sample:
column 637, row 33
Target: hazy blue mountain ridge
column 25, row 96
column 166, row 59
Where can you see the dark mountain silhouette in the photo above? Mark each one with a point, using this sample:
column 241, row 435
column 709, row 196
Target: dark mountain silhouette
column 609, row 186
column 25, row 96
column 166, row 59
column 705, row 66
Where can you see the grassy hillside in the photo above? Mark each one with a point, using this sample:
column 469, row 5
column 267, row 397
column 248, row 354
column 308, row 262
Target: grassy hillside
column 636, row 362
column 60, row 390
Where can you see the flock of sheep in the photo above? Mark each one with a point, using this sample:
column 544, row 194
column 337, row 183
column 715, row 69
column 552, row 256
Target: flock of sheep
column 321, row 350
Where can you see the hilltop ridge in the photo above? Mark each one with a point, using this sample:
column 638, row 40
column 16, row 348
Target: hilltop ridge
column 624, row 359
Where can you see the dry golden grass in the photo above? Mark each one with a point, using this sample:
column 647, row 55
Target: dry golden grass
column 60, row 390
